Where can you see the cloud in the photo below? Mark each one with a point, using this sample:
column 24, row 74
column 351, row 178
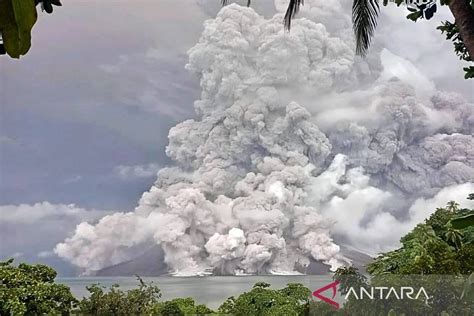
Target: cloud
column 396, row 66
column 44, row 211
column 137, row 171
column 425, row 46
column 32, row 230
column 73, row 179
column 45, row 254
column 367, row 218
column 5, row 140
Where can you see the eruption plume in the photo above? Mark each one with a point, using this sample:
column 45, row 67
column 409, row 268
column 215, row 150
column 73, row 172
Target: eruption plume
column 298, row 143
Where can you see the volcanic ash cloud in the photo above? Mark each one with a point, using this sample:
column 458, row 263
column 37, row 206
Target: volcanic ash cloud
column 290, row 144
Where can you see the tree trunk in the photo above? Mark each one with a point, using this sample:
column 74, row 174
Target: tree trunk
column 464, row 20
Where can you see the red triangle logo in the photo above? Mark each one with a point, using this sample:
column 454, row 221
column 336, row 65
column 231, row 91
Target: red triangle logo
column 326, row 299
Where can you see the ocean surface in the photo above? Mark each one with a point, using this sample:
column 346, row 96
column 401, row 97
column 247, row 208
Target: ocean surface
column 209, row 290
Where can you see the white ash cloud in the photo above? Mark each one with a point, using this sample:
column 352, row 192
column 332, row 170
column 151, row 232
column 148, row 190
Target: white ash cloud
column 294, row 135
column 362, row 212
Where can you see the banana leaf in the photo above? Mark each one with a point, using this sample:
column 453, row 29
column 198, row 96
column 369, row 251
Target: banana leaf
column 17, row 18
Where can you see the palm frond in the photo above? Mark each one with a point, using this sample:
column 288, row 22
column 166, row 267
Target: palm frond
column 364, row 21
column 291, row 12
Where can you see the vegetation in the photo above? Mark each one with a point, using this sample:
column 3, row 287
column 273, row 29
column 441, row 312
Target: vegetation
column 30, row 290
column 17, row 18
column 261, row 300
column 433, row 247
column 138, row 301
column 436, row 255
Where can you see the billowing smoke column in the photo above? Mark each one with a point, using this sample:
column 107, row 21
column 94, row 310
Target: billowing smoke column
column 297, row 143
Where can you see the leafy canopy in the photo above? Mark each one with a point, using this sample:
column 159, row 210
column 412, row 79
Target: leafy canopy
column 30, row 289
column 138, row 301
column 433, row 247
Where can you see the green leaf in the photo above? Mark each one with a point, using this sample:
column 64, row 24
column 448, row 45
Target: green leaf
column 17, row 18
column 415, row 15
column 364, row 22
column 463, row 222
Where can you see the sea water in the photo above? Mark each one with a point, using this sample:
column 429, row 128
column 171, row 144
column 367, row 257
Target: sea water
column 209, row 290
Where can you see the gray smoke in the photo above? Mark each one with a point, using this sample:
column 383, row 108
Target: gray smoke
column 298, row 143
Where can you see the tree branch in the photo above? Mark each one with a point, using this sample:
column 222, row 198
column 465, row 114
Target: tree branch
column 464, row 20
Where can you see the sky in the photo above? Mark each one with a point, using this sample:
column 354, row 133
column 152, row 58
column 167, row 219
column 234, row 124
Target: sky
column 85, row 114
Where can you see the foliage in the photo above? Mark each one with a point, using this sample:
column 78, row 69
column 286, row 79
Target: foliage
column 317, row 308
column 30, row 289
column 452, row 33
column 450, row 29
column 144, row 300
column 364, row 20
column 180, row 306
column 349, row 277
column 462, row 222
column 445, row 295
column 293, row 8
column 17, row 18
column 118, row 302
column 434, row 247
column 47, row 5
column 261, row 300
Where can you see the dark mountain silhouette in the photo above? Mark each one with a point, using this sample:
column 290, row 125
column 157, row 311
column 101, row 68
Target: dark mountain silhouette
column 151, row 263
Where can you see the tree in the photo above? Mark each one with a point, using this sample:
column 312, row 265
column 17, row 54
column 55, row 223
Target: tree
column 433, row 247
column 30, row 289
column 262, row 300
column 365, row 14
column 463, row 221
column 437, row 254
column 441, row 246
column 139, row 301
column 463, row 12
column 180, row 306
column 349, row 277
